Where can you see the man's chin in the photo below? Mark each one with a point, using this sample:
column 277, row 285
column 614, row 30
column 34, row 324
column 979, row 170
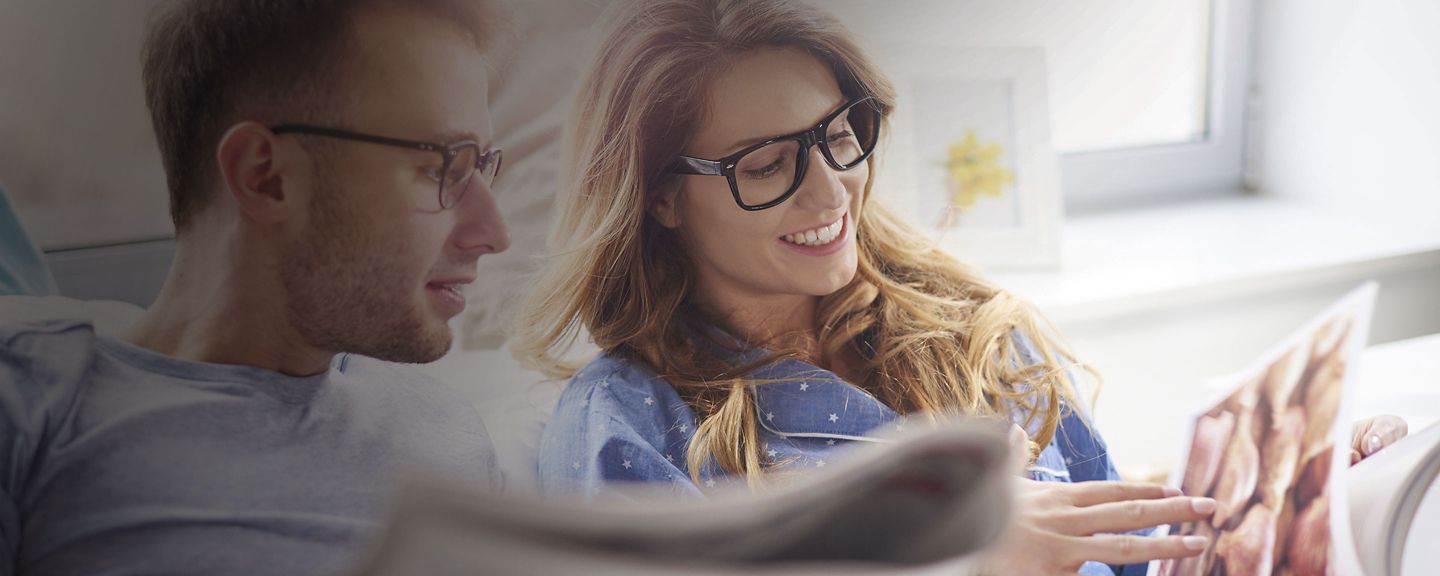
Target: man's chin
column 421, row 346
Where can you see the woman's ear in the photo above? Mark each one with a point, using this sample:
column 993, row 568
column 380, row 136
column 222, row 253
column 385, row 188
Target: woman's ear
column 665, row 208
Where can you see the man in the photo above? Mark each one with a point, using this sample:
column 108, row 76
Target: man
column 329, row 165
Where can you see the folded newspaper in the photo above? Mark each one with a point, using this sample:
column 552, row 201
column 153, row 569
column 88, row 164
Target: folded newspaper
column 923, row 501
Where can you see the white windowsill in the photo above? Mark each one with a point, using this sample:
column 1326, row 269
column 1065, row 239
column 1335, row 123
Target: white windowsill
column 1135, row 261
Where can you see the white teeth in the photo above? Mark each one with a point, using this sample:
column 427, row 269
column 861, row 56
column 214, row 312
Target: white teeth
column 817, row 237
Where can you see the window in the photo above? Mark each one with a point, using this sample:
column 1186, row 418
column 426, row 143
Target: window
column 1146, row 96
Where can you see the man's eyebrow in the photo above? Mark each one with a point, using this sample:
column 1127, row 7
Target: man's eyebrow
column 452, row 136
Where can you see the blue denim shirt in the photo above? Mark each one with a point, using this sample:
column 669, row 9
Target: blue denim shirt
column 617, row 421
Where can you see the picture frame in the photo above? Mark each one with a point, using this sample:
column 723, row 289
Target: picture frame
column 968, row 155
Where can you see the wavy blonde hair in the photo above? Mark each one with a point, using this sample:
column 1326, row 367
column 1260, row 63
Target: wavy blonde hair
column 930, row 335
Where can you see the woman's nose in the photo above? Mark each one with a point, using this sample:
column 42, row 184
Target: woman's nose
column 822, row 188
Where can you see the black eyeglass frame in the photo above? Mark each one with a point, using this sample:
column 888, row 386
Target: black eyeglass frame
column 691, row 165
column 447, row 151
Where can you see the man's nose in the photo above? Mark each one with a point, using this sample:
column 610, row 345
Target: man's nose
column 480, row 228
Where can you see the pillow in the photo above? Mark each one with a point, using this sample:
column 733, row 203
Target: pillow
column 108, row 316
column 514, row 402
column 22, row 267
column 531, row 96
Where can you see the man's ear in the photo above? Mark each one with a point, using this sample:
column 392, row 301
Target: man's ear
column 250, row 160
column 665, row 208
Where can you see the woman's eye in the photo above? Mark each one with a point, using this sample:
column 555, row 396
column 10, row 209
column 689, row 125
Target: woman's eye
column 765, row 171
column 841, row 135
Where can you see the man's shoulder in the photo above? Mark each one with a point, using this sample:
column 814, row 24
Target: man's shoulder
column 56, row 348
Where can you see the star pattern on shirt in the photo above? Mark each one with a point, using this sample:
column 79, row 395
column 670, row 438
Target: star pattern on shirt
column 670, row 457
column 710, row 483
column 684, row 428
column 830, row 442
column 604, row 383
column 575, row 465
column 772, row 453
column 585, row 403
column 834, row 417
column 626, row 464
column 804, row 386
column 770, row 416
column 649, row 400
column 819, row 463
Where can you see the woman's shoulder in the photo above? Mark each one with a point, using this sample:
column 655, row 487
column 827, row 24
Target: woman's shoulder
column 617, row 389
column 621, row 377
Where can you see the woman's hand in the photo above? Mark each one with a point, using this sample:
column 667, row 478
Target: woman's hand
column 1372, row 434
column 1054, row 527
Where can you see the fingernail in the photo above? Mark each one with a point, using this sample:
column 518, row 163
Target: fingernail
column 1203, row 505
column 1372, row 444
column 1195, row 542
column 1171, row 491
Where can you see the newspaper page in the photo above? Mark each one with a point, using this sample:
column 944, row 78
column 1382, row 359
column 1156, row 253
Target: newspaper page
column 919, row 503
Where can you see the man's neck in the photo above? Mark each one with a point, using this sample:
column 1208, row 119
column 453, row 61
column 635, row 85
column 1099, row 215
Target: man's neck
column 218, row 308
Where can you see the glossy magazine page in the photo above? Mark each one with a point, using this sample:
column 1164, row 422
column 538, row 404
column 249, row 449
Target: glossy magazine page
column 1266, row 451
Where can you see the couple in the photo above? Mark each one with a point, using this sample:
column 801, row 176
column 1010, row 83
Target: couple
column 330, row 168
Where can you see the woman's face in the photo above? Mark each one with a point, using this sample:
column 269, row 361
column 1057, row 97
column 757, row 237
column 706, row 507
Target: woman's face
column 781, row 251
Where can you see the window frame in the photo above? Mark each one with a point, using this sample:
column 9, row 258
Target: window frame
column 1213, row 165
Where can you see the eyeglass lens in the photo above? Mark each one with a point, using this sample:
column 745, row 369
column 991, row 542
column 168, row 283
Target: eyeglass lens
column 771, row 171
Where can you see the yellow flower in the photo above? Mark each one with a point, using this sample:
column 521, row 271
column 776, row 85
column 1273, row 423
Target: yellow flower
column 974, row 169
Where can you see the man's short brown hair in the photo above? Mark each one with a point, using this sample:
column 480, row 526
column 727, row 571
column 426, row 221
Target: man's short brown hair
column 209, row 64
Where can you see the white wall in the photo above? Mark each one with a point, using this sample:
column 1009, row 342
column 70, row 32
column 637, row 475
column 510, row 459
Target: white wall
column 1350, row 107
column 76, row 150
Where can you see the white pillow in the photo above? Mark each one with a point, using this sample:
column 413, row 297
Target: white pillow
column 108, row 316
column 514, row 402
column 530, row 101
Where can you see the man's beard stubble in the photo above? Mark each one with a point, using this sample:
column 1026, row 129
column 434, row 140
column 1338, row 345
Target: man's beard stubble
column 344, row 293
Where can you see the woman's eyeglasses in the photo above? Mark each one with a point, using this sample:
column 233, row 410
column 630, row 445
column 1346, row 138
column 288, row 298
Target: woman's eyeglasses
column 766, row 174
column 460, row 160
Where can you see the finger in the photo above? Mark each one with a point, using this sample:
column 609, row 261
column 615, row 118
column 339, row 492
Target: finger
column 1372, row 434
column 1131, row 515
column 1384, row 431
column 1100, row 492
column 1127, row 549
column 1019, row 450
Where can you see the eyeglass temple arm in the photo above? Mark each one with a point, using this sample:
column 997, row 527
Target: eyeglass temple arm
column 699, row 166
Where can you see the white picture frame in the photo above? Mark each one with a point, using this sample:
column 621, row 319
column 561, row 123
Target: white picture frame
column 945, row 94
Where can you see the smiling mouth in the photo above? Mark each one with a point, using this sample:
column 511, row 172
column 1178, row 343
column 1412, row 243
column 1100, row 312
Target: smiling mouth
column 817, row 236
column 454, row 288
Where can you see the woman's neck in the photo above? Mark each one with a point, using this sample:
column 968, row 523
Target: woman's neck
column 782, row 322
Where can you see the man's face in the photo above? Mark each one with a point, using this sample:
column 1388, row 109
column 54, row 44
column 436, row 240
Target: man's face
column 377, row 267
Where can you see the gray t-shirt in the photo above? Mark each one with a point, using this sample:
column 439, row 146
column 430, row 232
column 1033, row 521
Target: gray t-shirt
column 118, row 460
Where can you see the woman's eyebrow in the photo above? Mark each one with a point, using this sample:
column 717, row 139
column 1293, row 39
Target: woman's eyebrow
column 739, row 145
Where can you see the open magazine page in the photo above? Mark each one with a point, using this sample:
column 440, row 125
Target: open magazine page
column 1386, row 492
column 923, row 501
column 1271, row 452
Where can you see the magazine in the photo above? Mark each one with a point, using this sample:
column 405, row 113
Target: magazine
column 1386, row 491
column 1273, row 452
column 922, row 501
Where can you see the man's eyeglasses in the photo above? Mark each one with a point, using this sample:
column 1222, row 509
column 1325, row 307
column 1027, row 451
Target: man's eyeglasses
column 766, row 174
column 461, row 160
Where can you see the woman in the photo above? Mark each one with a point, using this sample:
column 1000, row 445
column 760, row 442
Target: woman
column 758, row 308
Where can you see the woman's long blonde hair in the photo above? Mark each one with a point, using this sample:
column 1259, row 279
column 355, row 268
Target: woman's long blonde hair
column 930, row 335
